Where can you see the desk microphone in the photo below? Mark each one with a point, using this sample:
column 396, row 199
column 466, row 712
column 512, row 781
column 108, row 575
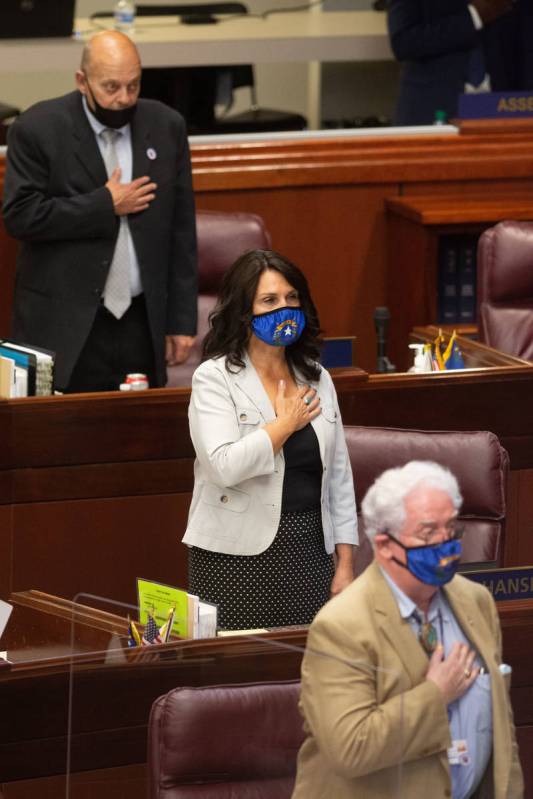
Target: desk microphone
column 381, row 323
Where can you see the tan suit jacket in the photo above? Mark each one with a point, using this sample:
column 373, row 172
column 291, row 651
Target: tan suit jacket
column 375, row 727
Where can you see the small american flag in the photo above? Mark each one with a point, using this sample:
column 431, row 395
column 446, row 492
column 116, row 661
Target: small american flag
column 151, row 632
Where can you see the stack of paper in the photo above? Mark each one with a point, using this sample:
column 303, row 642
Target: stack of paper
column 201, row 618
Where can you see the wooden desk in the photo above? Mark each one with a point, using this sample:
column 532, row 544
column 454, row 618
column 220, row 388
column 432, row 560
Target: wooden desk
column 95, row 489
column 111, row 698
column 165, row 41
column 418, row 226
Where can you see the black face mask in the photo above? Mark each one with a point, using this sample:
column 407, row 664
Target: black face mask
column 109, row 117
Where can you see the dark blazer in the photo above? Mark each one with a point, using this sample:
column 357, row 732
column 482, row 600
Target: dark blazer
column 434, row 39
column 56, row 203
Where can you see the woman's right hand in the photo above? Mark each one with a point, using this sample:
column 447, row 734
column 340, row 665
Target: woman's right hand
column 299, row 409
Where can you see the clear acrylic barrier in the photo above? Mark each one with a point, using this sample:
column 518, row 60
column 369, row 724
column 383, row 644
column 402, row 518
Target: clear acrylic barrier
column 79, row 701
column 111, row 691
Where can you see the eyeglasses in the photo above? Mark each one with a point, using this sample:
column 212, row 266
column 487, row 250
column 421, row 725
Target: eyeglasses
column 428, row 534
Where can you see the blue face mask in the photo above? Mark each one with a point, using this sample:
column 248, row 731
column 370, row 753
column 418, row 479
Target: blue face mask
column 280, row 327
column 433, row 565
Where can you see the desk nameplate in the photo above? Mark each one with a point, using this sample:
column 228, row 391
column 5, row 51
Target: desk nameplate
column 505, row 584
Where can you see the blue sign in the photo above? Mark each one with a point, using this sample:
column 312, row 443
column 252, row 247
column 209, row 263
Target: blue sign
column 505, row 583
column 496, row 105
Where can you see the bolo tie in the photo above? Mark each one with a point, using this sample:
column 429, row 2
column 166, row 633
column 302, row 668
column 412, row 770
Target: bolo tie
column 427, row 634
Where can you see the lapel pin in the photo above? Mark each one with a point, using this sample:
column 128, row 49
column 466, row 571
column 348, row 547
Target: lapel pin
column 151, row 153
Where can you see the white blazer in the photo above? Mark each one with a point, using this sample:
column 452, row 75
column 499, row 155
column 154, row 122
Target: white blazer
column 238, row 481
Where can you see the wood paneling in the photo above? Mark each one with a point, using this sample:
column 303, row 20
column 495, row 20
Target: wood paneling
column 100, row 546
column 128, row 782
column 6, row 550
column 521, row 504
column 336, row 235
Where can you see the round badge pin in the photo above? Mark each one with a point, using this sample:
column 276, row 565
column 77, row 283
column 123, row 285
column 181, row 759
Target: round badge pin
column 151, row 153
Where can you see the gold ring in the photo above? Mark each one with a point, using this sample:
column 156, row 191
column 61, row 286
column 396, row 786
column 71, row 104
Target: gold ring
column 467, row 673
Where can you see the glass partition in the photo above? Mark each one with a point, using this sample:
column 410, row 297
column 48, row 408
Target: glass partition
column 77, row 697
column 111, row 691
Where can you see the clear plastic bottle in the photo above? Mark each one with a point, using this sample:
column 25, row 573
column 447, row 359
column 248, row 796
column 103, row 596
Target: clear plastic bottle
column 124, row 15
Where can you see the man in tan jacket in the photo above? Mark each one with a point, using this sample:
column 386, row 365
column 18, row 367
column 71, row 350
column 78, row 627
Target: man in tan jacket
column 402, row 691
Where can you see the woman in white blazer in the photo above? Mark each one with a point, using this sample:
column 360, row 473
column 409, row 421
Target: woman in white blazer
column 273, row 494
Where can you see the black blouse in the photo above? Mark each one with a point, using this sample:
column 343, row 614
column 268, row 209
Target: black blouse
column 303, row 471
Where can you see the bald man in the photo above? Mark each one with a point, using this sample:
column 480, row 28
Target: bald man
column 98, row 191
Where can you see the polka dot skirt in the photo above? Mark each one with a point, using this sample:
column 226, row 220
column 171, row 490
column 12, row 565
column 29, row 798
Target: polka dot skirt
column 287, row 584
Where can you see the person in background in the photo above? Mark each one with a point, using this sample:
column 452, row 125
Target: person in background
column 402, row 691
column 448, row 47
column 273, row 492
column 98, row 190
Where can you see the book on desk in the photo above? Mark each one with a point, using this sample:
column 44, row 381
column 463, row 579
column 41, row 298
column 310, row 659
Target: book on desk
column 456, row 288
column 25, row 371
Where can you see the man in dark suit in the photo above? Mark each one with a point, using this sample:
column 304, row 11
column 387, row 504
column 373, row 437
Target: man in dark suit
column 98, row 190
column 447, row 45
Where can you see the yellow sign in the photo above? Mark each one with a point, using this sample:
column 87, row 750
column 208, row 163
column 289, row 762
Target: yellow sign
column 157, row 599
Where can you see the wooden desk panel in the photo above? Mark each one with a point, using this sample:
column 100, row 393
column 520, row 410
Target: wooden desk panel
column 100, row 544
column 85, row 510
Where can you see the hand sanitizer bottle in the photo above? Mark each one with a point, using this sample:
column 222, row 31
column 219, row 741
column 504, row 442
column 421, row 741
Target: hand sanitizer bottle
column 124, row 14
column 420, row 364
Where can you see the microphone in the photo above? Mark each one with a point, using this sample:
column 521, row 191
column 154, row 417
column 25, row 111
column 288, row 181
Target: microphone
column 381, row 323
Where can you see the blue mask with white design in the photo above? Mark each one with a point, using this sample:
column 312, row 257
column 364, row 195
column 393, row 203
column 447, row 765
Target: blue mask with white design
column 280, row 327
column 432, row 564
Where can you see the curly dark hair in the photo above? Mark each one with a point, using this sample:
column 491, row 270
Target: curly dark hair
column 230, row 320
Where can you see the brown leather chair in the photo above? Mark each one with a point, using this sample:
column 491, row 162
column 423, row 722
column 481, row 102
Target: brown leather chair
column 222, row 238
column 505, row 288
column 225, row 741
column 477, row 459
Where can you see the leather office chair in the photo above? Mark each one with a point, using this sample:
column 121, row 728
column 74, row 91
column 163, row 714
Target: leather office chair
column 505, row 288
column 194, row 91
column 222, row 238
column 479, row 462
column 225, row 740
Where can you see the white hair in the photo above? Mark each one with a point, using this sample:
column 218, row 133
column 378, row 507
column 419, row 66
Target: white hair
column 383, row 506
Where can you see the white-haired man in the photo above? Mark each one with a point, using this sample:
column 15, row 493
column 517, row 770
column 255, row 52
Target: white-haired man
column 402, row 694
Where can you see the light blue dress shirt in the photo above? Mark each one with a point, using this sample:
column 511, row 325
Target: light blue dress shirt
column 125, row 160
column 470, row 716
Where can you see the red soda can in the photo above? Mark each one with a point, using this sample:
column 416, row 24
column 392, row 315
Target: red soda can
column 136, row 381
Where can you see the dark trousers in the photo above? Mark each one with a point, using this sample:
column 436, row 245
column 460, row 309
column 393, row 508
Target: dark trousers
column 115, row 348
